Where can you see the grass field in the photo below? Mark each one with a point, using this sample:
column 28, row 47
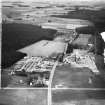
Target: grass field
column 23, row 97
column 78, row 97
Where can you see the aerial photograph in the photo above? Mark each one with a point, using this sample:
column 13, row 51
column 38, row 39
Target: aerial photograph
column 55, row 48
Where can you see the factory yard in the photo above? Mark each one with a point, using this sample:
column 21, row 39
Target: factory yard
column 75, row 69
column 78, row 70
column 52, row 54
column 46, row 36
